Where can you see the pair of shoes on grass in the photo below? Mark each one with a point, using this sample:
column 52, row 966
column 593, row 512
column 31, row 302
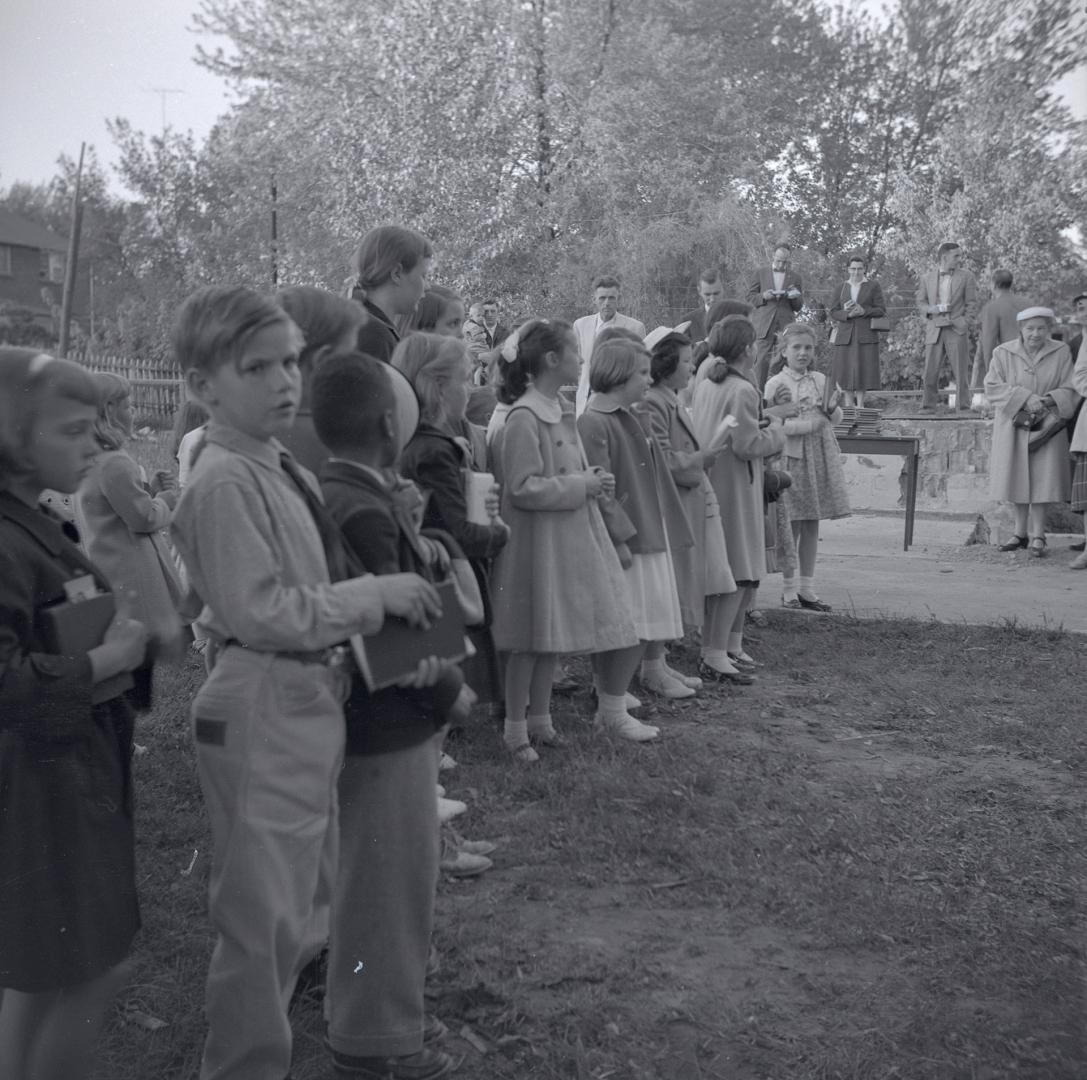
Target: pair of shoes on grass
column 721, row 669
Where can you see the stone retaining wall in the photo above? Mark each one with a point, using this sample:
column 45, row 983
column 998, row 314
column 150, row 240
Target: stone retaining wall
column 952, row 478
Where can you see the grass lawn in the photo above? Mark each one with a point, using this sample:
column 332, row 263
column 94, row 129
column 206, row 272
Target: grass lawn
column 870, row 865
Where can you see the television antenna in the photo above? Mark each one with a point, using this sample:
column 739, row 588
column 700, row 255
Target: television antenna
column 164, row 92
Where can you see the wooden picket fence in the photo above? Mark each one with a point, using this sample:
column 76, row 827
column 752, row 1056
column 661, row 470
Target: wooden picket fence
column 157, row 388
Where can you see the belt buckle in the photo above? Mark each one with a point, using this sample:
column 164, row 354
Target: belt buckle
column 337, row 656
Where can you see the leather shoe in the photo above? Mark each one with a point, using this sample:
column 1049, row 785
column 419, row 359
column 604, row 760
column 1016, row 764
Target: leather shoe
column 465, row 864
column 814, row 604
column 1014, row 544
column 425, row 1064
column 1077, row 547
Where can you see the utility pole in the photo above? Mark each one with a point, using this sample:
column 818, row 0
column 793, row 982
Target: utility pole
column 74, row 227
column 163, row 92
column 275, row 238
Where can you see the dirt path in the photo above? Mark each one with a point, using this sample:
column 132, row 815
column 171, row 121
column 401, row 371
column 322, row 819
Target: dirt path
column 862, row 569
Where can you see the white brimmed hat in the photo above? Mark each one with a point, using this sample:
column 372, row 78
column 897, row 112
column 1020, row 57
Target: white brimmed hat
column 655, row 337
column 1035, row 313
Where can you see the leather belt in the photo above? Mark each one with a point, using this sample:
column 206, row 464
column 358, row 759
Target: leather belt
column 334, row 656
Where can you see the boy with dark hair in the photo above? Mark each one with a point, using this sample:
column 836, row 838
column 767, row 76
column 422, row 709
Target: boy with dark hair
column 383, row 905
column 274, row 579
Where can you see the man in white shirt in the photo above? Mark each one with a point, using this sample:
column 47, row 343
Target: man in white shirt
column 586, row 329
column 776, row 295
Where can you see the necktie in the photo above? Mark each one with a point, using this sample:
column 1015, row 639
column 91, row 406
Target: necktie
column 338, row 558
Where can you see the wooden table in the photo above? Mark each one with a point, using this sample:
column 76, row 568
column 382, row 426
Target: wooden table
column 907, row 446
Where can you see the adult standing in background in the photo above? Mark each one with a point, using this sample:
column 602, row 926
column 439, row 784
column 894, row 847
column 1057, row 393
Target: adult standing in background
column 494, row 331
column 710, row 289
column 948, row 300
column 586, row 329
column 855, row 345
column 776, row 294
column 391, row 269
column 996, row 324
column 1032, row 374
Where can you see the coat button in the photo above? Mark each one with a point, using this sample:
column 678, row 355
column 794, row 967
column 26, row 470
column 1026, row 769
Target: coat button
column 558, row 442
column 562, row 468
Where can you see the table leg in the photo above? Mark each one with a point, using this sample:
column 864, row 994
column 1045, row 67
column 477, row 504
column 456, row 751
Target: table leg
column 911, row 496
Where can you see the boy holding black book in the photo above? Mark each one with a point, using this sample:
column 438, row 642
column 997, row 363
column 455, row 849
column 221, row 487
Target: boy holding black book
column 383, row 905
column 270, row 568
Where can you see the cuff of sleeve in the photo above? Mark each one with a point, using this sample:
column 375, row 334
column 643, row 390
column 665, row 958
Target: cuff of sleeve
column 364, row 595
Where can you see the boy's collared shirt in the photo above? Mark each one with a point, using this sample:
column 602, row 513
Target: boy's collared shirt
column 254, row 554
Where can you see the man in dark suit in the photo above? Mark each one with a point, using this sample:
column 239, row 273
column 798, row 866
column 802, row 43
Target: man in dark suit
column 998, row 324
column 710, row 289
column 495, row 331
column 948, row 299
column 776, row 296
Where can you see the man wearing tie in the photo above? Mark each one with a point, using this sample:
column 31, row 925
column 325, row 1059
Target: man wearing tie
column 948, row 300
column 710, row 289
column 586, row 329
column 776, row 297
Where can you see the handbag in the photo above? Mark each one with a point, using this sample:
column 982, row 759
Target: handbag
column 1049, row 424
column 881, row 324
column 774, row 482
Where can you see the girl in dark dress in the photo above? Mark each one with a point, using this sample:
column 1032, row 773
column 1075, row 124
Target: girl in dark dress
column 436, row 459
column 68, row 909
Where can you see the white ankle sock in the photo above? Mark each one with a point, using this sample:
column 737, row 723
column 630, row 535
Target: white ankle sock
column 612, row 704
column 515, row 733
column 805, row 586
column 653, row 667
column 788, row 587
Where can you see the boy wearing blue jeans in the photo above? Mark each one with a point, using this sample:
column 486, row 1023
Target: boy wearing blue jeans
column 273, row 577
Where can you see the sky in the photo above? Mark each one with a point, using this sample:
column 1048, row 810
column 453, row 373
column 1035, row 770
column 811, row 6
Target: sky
column 68, row 65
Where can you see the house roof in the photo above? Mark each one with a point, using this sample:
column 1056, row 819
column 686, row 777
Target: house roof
column 19, row 232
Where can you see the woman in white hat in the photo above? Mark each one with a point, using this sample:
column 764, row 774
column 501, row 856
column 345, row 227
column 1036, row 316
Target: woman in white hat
column 1027, row 378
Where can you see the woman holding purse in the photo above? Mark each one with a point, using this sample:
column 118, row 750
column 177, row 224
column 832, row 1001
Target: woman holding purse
column 854, row 341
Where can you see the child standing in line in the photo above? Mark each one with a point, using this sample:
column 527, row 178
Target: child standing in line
column 269, row 566
column 812, row 458
column 727, row 388
column 558, row 585
column 702, row 570
column 126, row 516
column 329, row 324
column 437, row 459
column 645, row 520
column 383, row 906
column 68, row 910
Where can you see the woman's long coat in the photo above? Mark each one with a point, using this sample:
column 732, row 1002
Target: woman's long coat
column 1015, row 475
